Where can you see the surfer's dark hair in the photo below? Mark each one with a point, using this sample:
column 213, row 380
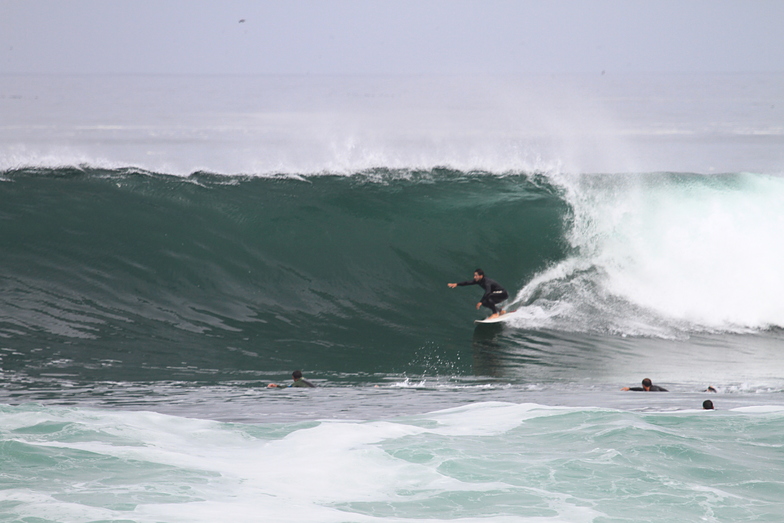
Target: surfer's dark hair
column 297, row 374
column 707, row 404
column 646, row 382
column 480, row 272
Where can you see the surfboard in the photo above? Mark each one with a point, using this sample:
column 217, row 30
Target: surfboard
column 499, row 319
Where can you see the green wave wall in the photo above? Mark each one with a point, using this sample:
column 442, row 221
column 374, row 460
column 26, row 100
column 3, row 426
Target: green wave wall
column 135, row 276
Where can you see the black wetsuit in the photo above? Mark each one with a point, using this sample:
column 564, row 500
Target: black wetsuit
column 299, row 383
column 654, row 388
column 494, row 293
column 302, row 382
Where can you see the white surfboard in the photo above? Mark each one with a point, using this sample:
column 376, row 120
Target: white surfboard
column 498, row 319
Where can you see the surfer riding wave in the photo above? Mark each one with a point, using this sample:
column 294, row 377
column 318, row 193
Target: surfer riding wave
column 494, row 293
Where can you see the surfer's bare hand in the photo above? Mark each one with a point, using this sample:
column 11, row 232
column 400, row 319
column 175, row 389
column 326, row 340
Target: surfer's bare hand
column 478, row 305
column 452, row 285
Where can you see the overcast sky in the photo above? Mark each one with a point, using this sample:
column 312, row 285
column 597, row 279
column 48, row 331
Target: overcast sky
column 390, row 37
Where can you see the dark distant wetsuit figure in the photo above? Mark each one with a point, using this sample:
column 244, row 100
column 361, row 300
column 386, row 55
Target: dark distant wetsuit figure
column 494, row 293
column 647, row 386
column 299, row 381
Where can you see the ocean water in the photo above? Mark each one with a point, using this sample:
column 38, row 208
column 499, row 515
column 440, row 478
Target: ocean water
column 171, row 245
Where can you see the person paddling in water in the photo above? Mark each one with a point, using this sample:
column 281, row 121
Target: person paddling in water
column 494, row 293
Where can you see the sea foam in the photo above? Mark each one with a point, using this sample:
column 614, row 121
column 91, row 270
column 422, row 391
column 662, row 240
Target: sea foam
column 661, row 252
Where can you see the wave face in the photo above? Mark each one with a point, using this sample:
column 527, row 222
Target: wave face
column 236, row 273
column 123, row 274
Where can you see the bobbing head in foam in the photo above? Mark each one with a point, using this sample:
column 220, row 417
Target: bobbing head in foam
column 647, row 386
